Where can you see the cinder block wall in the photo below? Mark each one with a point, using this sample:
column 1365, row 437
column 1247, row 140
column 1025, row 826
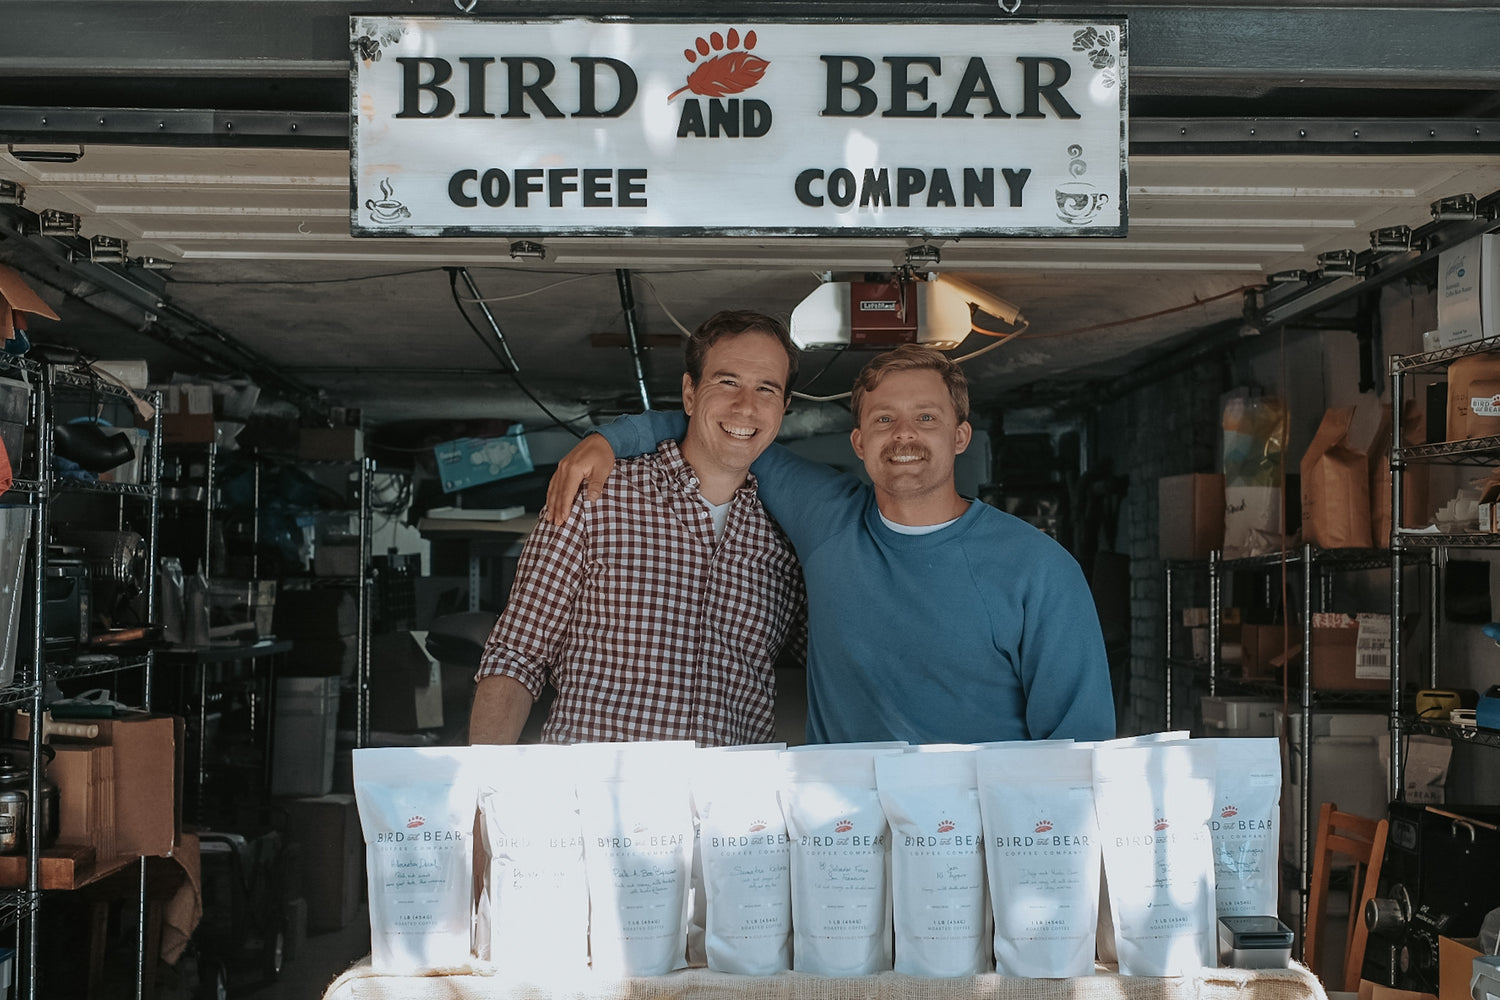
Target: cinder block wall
column 1164, row 429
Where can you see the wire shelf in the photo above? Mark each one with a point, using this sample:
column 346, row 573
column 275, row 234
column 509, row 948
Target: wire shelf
column 94, row 665
column 29, row 487
column 9, row 362
column 1466, row 540
column 18, row 693
column 1474, row 451
column 1471, row 735
column 15, row 905
column 1339, row 559
column 70, row 378
column 1434, row 360
column 117, row 489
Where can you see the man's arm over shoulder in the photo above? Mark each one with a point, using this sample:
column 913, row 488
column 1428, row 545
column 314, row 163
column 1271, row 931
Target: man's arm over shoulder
column 527, row 640
column 1063, row 663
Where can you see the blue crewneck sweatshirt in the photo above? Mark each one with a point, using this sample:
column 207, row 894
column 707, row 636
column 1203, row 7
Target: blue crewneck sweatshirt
column 982, row 630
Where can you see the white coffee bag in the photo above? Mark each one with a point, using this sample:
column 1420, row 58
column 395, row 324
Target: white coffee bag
column 841, row 901
column 1153, row 804
column 1042, row 853
column 537, row 895
column 1246, row 825
column 638, row 837
column 416, row 806
column 746, row 861
column 940, row 911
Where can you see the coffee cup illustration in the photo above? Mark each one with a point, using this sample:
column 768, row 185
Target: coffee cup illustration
column 386, row 208
column 1078, row 202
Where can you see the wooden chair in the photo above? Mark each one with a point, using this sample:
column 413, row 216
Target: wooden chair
column 1363, row 840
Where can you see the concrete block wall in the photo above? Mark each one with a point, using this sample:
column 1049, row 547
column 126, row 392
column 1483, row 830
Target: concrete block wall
column 1164, row 429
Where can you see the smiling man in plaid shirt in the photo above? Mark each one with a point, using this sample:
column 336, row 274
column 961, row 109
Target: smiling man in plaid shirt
column 658, row 611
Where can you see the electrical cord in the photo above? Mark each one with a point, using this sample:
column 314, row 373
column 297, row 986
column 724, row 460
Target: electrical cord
column 556, row 420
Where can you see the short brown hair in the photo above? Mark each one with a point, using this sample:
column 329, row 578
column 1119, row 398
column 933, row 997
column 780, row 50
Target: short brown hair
column 908, row 358
column 732, row 323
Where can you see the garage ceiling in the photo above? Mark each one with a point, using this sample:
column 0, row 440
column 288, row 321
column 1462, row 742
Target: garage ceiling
column 261, row 252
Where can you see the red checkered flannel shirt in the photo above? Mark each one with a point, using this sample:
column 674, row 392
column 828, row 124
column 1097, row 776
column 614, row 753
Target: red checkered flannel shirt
column 647, row 628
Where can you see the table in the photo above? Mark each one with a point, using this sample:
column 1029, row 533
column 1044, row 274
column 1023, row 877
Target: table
column 1296, row 983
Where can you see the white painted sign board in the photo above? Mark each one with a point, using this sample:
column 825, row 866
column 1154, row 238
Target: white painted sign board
column 600, row 127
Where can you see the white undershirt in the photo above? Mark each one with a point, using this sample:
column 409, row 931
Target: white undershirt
column 916, row 529
column 719, row 512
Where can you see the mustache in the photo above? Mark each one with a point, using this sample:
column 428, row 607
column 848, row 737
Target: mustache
column 895, row 451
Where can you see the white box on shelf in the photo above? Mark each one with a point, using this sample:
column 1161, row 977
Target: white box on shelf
column 307, row 711
column 1468, row 288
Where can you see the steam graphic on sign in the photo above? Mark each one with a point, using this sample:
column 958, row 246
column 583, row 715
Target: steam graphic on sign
column 731, row 72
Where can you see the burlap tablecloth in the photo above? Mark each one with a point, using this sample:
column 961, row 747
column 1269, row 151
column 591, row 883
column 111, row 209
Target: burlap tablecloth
column 361, row 983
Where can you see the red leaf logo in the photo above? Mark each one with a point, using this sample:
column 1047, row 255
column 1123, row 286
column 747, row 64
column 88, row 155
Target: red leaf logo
column 1229, row 811
column 729, row 73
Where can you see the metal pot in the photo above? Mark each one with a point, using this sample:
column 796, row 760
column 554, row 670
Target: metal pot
column 15, row 798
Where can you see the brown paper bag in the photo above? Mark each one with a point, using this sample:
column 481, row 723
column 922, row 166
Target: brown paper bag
column 1335, row 486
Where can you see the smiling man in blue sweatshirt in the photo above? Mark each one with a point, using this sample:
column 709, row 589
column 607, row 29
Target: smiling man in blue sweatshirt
column 932, row 618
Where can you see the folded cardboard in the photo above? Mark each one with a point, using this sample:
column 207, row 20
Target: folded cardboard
column 1456, row 966
column 147, row 781
column 331, row 853
column 1190, row 515
column 85, row 780
column 406, row 684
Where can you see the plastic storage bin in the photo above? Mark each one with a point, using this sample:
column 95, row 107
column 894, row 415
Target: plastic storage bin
column 307, row 709
column 1345, row 770
column 15, row 406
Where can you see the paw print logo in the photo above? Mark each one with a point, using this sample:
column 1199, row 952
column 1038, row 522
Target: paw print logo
column 1044, row 826
column 1161, row 824
column 843, row 826
column 945, row 826
column 415, row 822
column 1228, row 812
column 726, row 68
column 757, row 825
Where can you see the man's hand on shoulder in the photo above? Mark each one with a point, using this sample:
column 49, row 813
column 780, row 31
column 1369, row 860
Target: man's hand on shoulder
column 591, row 461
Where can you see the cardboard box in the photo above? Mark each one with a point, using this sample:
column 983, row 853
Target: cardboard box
column 1468, row 291
column 331, row 444
column 1260, row 646
column 1349, row 653
column 1374, row 991
column 406, row 684
column 331, row 852
column 1190, row 512
column 187, row 413
column 1456, row 966
column 469, row 462
column 147, row 780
